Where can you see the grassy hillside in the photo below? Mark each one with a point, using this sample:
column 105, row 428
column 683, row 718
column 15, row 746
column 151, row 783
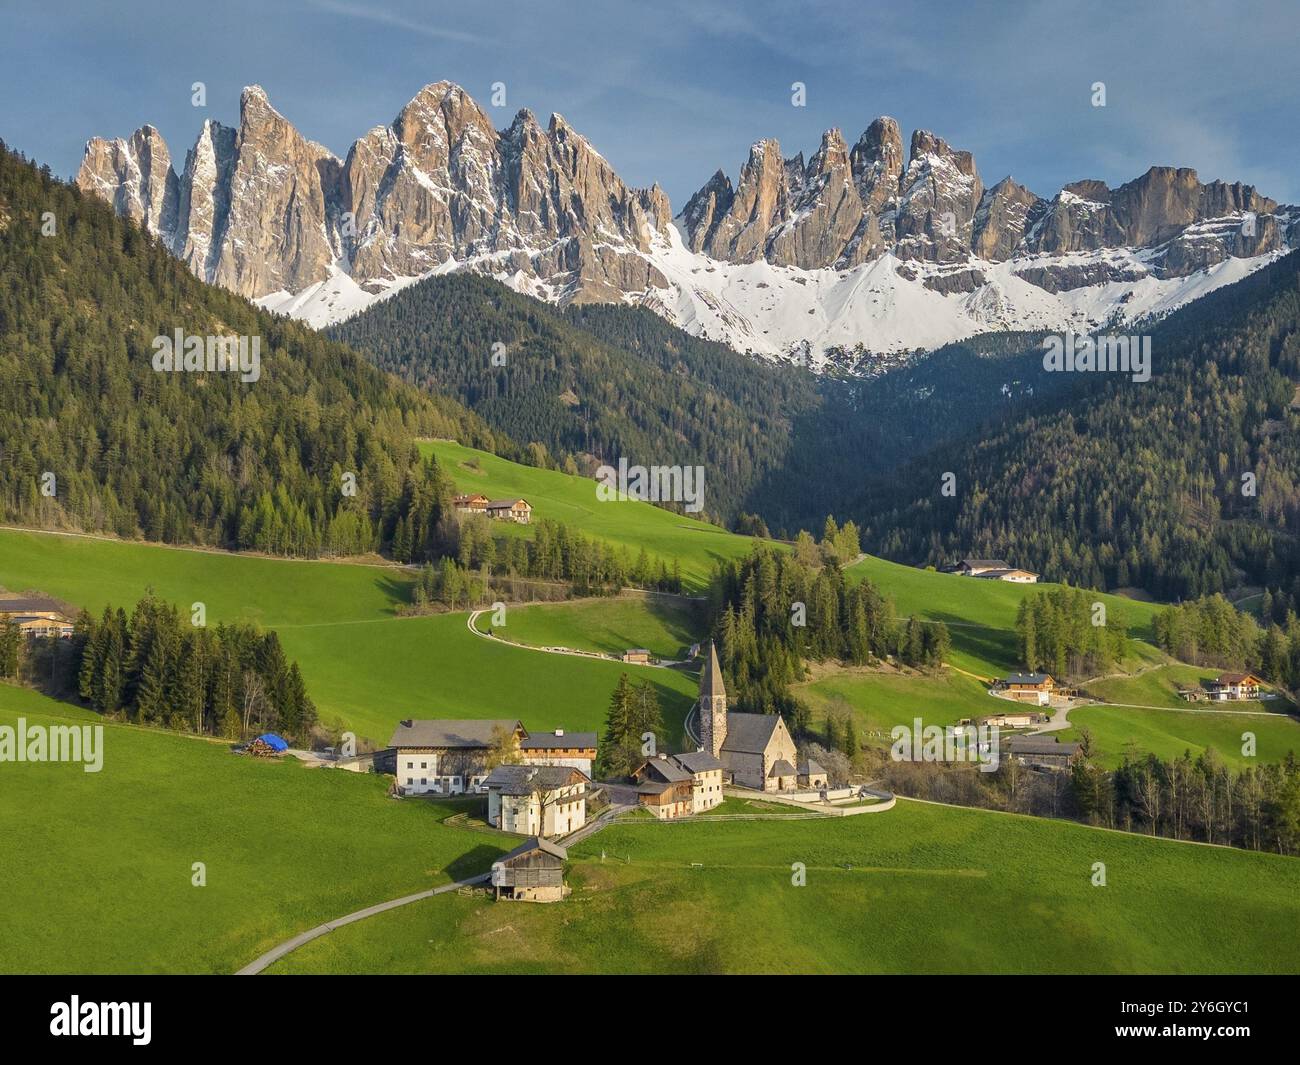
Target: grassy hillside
column 96, row 868
column 1168, row 733
column 981, row 615
column 879, row 701
column 662, row 625
column 1159, row 687
column 572, row 500
column 1143, row 722
column 918, row 889
column 361, row 661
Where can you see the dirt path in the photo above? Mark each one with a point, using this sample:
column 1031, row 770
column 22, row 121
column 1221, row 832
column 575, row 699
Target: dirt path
column 264, row 961
column 288, row 946
column 600, row 656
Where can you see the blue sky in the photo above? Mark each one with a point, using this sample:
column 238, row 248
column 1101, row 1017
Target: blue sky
column 673, row 90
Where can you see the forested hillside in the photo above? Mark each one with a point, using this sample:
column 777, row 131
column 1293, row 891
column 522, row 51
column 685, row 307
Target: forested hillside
column 1184, row 485
column 604, row 381
column 639, row 390
column 92, row 437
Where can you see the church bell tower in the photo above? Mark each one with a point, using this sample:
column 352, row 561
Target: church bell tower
column 713, row 704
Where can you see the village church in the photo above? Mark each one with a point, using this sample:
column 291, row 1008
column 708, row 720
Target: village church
column 756, row 750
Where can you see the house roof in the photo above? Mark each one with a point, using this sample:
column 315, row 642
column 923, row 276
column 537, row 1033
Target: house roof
column 711, row 675
column 667, row 769
column 697, row 761
column 39, row 605
column 546, row 741
column 750, row 733
column 1236, row 678
column 527, row 779
column 1028, row 678
column 808, row 767
column 494, row 503
column 997, row 574
column 985, row 563
column 533, row 843
column 637, row 651
column 446, row 733
column 1039, row 745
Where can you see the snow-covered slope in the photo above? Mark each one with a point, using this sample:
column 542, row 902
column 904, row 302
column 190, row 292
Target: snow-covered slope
column 848, row 320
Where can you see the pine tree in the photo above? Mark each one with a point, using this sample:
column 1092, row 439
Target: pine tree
column 616, row 761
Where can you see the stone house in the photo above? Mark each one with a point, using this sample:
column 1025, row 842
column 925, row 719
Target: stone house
column 537, row 800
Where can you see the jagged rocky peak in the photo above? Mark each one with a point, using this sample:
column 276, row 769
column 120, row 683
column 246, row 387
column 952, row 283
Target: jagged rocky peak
column 761, row 200
column 136, row 176
column 939, row 193
column 705, row 209
column 877, row 161
column 1006, row 212
column 824, row 223
column 845, row 206
column 264, row 210
column 205, row 198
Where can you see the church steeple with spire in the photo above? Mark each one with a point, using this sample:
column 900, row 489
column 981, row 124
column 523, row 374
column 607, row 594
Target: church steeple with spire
column 713, row 704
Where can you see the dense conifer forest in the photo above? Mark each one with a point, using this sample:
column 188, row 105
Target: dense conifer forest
column 1185, row 485
column 316, row 456
column 774, row 611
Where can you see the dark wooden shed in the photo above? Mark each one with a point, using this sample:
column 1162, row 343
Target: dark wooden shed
column 532, row 872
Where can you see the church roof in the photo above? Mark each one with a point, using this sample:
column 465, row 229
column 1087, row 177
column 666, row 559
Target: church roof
column 781, row 768
column 750, row 733
column 711, row 675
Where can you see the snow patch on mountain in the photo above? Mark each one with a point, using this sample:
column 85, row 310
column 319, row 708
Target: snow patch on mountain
column 878, row 310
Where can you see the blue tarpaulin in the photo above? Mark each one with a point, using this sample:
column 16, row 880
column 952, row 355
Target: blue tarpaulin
column 273, row 741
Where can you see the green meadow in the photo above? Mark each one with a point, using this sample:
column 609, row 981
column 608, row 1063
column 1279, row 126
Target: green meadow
column 981, row 615
column 363, row 663
column 879, row 701
column 665, row 626
column 626, row 523
column 1168, row 733
column 96, row 869
column 918, row 889
column 1153, row 718
column 1159, row 687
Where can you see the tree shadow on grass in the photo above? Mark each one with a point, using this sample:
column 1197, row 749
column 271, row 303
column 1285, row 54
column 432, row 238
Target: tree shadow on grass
column 478, row 859
column 398, row 592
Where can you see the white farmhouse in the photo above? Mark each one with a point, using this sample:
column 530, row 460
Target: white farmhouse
column 537, row 800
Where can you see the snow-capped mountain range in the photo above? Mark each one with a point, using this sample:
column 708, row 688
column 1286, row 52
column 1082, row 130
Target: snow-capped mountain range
column 843, row 261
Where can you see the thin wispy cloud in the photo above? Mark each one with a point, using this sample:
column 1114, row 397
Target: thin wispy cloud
column 389, row 18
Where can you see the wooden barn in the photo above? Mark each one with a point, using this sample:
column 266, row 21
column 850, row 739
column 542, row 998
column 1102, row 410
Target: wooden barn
column 532, row 872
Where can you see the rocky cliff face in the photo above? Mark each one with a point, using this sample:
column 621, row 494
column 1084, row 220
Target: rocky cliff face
column 840, row 211
column 263, row 210
column 136, row 177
